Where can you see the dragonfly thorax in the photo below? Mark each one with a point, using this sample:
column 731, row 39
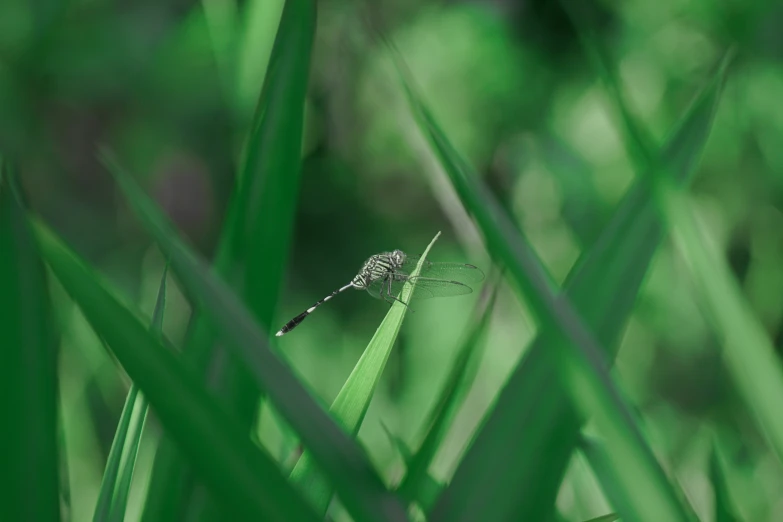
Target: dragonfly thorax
column 378, row 267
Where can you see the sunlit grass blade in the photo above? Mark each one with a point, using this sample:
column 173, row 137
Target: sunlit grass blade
column 579, row 359
column 748, row 352
column 458, row 382
column 532, row 443
column 135, row 426
column 111, row 473
column 28, row 368
column 351, row 403
column 255, row 239
column 116, row 481
column 358, row 485
column 244, row 477
column 138, row 417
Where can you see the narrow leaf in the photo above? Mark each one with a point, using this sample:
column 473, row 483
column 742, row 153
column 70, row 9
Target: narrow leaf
column 749, row 354
column 579, row 357
column 360, row 488
column 110, row 494
column 28, row 369
column 139, row 415
column 535, row 417
column 458, row 382
column 242, row 475
column 351, row 403
column 256, row 234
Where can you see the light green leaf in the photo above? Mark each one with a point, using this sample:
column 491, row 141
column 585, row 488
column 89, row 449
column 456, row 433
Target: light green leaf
column 360, row 488
column 245, row 478
column 578, row 358
column 351, row 403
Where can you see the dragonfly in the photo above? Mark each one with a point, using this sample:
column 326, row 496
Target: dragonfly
column 383, row 276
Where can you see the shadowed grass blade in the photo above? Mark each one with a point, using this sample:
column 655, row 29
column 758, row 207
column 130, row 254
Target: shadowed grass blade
column 351, row 403
column 750, row 356
column 255, row 239
column 28, row 369
column 458, row 382
column 578, row 359
column 242, row 475
column 360, row 488
column 531, row 441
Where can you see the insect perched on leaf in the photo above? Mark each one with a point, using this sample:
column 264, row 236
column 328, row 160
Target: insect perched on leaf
column 383, row 276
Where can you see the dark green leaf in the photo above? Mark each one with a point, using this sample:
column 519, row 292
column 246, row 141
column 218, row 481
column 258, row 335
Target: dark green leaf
column 242, row 475
column 531, row 442
column 579, row 362
column 351, row 403
column 457, row 384
column 360, row 488
column 28, row 369
column 255, row 240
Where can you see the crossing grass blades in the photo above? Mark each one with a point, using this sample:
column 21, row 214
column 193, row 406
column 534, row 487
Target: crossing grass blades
column 383, row 276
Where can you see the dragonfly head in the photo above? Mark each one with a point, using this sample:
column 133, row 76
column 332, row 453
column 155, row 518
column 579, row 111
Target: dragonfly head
column 398, row 257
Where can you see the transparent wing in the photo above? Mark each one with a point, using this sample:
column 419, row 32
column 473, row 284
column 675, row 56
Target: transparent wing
column 426, row 288
column 455, row 272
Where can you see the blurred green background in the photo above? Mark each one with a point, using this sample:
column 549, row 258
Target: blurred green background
column 172, row 87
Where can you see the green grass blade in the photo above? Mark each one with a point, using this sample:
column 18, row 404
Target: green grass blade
column 603, row 467
column 256, row 234
column 748, row 352
column 139, row 414
column 107, row 506
column 136, row 427
column 580, row 359
column 28, row 369
column 603, row 286
column 242, row 475
column 112, row 470
column 253, row 249
column 458, row 382
column 360, row 488
column 351, row 403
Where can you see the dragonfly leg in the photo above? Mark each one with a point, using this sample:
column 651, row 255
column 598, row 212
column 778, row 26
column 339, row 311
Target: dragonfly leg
column 389, row 293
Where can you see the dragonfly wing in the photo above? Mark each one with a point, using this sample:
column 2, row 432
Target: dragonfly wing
column 427, row 287
column 459, row 272
column 419, row 293
column 375, row 288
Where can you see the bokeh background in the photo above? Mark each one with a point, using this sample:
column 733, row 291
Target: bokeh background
column 172, row 87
